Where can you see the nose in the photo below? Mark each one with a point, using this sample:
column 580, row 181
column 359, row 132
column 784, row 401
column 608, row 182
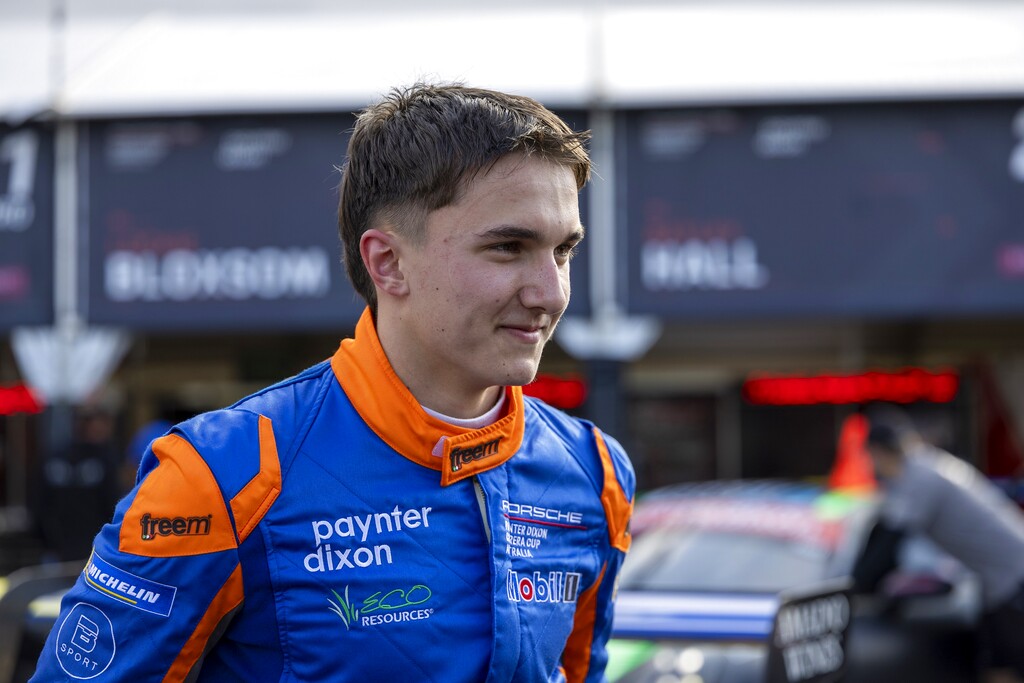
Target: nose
column 546, row 286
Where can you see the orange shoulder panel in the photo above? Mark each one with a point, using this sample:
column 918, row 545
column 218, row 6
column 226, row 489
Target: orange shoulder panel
column 179, row 509
column 252, row 502
column 617, row 508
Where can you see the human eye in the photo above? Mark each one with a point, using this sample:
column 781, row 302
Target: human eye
column 567, row 251
column 509, row 248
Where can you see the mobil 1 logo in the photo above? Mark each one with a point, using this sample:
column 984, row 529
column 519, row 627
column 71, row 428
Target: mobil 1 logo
column 808, row 641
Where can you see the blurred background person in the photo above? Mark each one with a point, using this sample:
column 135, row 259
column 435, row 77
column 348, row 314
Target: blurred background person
column 929, row 491
column 80, row 484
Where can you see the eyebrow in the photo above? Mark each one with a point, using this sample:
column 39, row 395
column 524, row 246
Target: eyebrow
column 515, row 232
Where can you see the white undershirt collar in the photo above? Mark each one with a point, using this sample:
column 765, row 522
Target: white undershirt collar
column 488, row 418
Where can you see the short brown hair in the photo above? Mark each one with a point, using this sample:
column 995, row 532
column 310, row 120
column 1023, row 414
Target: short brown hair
column 414, row 151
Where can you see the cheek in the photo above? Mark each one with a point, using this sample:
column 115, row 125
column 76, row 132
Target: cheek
column 566, row 286
column 487, row 285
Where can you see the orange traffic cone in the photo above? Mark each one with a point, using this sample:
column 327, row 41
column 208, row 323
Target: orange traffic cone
column 852, row 468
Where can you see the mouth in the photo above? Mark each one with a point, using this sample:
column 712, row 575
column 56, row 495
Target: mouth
column 530, row 334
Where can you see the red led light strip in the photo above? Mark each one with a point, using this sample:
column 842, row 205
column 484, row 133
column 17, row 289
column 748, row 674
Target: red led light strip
column 903, row 386
column 566, row 394
column 18, row 398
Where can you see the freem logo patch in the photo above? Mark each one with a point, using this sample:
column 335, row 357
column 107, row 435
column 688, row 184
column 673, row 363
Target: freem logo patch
column 174, row 526
column 463, row 456
column 122, row 586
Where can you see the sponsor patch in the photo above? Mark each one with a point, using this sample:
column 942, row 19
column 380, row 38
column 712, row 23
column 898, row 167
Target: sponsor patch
column 174, row 526
column 85, row 642
column 549, row 587
column 461, row 456
column 383, row 607
column 117, row 584
column 534, row 514
column 350, row 529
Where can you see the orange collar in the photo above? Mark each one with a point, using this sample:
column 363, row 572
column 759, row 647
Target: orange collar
column 394, row 414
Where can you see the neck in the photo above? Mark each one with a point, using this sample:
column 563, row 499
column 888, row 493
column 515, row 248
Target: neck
column 432, row 389
column 468, row 408
column 483, row 420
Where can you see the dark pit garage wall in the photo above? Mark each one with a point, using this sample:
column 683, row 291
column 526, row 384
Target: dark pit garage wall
column 895, row 218
column 213, row 240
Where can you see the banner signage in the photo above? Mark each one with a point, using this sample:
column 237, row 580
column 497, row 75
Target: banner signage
column 223, row 223
column 219, row 224
column 26, row 226
column 839, row 210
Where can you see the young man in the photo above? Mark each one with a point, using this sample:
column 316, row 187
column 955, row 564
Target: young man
column 399, row 512
column 929, row 491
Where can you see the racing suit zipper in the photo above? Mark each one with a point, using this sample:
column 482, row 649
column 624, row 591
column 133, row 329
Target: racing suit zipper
column 481, row 500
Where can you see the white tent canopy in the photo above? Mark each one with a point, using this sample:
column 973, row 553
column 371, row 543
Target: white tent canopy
column 84, row 58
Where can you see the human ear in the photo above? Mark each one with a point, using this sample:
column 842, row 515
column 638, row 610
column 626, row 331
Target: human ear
column 380, row 253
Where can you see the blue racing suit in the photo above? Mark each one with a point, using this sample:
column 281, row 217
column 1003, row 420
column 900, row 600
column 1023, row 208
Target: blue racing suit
column 328, row 529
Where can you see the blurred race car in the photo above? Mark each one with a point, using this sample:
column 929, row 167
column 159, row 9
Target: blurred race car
column 748, row 582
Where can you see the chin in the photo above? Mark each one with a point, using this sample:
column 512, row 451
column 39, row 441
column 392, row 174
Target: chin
column 519, row 376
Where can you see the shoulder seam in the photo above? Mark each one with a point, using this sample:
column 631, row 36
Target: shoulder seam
column 593, row 470
column 318, row 373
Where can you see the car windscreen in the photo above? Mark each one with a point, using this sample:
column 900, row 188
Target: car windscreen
column 680, row 559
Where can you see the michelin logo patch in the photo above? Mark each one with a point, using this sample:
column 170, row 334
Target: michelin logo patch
column 125, row 587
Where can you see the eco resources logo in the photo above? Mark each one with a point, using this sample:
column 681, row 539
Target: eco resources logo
column 554, row 587
column 174, row 526
column 395, row 606
column 460, row 456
